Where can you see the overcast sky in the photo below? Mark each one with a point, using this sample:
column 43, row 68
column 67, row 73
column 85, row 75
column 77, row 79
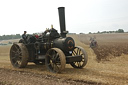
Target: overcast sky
column 81, row 15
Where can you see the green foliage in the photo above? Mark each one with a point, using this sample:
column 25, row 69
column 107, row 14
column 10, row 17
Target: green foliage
column 118, row 31
column 7, row 37
column 90, row 33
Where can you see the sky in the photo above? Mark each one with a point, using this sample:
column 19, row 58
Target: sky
column 82, row 16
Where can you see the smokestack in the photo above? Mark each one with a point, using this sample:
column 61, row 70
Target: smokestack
column 62, row 21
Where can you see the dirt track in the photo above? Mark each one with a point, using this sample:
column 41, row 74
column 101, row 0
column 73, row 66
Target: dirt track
column 38, row 75
column 11, row 77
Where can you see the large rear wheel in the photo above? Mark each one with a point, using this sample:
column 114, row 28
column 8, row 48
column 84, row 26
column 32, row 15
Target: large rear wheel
column 79, row 51
column 55, row 60
column 19, row 55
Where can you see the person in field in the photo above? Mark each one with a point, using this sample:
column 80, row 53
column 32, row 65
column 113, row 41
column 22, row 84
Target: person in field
column 93, row 42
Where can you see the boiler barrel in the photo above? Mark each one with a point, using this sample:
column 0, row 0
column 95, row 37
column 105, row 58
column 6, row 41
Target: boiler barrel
column 65, row 44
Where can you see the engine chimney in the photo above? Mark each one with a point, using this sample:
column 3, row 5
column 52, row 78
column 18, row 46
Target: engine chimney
column 62, row 21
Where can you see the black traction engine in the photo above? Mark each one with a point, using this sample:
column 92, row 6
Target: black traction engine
column 51, row 48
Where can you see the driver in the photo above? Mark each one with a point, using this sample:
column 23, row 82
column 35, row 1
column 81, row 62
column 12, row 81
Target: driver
column 24, row 36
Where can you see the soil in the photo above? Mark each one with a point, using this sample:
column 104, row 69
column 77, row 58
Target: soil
column 13, row 77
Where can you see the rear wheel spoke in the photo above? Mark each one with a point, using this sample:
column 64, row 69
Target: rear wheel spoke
column 74, row 52
column 16, row 63
column 13, row 51
column 79, row 51
column 16, row 47
column 14, row 57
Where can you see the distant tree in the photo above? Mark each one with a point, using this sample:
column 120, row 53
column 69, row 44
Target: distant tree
column 111, row 31
column 120, row 31
column 81, row 33
column 90, row 33
column 104, row 32
column 98, row 32
column 6, row 37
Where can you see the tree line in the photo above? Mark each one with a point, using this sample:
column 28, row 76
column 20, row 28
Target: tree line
column 7, row 37
column 117, row 31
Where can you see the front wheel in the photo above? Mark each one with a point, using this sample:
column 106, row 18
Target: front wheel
column 79, row 51
column 55, row 60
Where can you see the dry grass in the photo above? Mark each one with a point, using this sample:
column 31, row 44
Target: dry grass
column 4, row 50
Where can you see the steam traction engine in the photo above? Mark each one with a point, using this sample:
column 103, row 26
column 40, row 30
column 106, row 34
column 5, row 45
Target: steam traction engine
column 52, row 49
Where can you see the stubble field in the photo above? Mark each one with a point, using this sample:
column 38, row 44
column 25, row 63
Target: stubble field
column 107, row 64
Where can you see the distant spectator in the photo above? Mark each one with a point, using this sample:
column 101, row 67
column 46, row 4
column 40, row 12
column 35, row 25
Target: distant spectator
column 93, row 42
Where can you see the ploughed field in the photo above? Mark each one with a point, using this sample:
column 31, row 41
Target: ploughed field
column 109, row 45
column 107, row 64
